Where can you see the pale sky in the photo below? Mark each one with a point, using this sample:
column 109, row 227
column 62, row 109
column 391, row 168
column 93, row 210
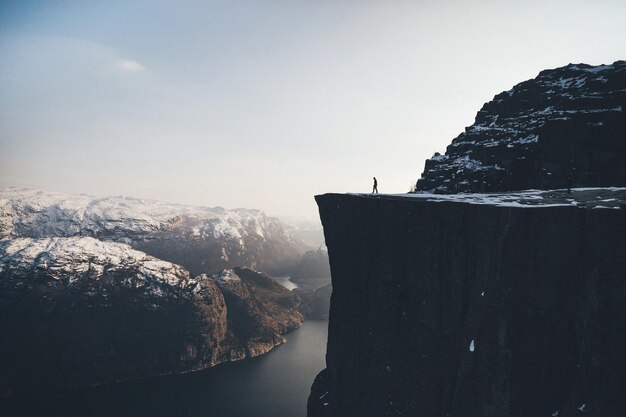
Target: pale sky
column 263, row 104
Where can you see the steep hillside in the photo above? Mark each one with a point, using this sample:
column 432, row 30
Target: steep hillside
column 79, row 311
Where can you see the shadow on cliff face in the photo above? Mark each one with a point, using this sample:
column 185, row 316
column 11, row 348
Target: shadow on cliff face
column 444, row 308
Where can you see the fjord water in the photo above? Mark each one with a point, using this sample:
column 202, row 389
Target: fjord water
column 273, row 385
column 286, row 282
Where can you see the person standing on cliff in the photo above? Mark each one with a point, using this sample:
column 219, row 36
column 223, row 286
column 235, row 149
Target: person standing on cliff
column 375, row 188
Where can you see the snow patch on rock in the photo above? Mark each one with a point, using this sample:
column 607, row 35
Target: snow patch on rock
column 69, row 260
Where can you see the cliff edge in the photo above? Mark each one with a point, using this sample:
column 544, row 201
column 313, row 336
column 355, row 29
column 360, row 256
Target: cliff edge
column 475, row 305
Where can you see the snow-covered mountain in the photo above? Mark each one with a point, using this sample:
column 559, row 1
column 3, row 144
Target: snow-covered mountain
column 204, row 240
column 70, row 261
column 565, row 127
column 81, row 311
column 102, row 289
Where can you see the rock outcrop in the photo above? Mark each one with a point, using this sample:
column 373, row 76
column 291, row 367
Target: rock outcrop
column 564, row 128
column 494, row 305
column 78, row 311
column 259, row 311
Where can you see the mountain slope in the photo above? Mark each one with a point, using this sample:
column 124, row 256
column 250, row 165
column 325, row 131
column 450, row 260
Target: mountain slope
column 202, row 239
column 79, row 311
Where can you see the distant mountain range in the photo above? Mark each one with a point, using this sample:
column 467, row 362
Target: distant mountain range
column 202, row 239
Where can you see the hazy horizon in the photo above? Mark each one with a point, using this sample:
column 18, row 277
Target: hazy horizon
column 265, row 104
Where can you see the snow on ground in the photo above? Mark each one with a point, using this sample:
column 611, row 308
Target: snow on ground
column 601, row 198
column 227, row 276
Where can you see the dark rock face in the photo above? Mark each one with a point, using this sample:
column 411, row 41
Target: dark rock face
column 444, row 308
column 259, row 311
column 78, row 311
column 567, row 127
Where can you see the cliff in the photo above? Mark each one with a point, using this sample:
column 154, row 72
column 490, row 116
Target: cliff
column 78, row 311
column 259, row 311
column 475, row 305
column 507, row 304
column 566, row 127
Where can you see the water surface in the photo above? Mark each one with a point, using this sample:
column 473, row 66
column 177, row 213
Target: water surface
column 274, row 385
column 286, row 282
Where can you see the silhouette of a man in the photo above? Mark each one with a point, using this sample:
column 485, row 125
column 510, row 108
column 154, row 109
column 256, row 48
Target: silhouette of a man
column 375, row 188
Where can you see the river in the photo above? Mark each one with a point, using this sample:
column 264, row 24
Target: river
column 276, row 384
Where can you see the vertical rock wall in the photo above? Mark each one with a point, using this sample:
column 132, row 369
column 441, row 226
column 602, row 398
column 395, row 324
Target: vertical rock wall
column 454, row 309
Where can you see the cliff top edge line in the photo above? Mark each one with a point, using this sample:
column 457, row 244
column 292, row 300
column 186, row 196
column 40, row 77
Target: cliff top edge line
column 585, row 198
